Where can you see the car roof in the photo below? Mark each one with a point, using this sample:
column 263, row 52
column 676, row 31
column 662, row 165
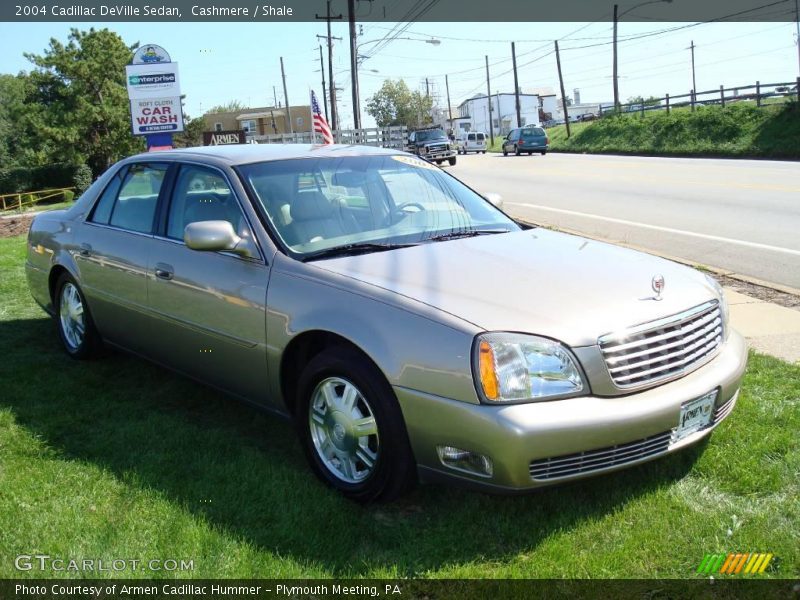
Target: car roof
column 240, row 154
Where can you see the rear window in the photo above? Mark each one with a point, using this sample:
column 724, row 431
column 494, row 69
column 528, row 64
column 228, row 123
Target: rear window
column 471, row 137
column 532, row 132
column 481, row 137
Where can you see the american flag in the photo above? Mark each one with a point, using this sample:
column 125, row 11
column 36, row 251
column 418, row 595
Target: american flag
column 320, row 124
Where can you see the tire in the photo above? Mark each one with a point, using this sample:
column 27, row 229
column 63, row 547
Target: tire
column 544, row 152
column 438, row 162
column 337, row 457
column 517, row 152
column 529, row 153
column 76, row 328
column 452, row 161
column 505, row 152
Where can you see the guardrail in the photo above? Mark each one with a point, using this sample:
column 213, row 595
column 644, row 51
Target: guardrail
column 758, row 92
column 22, row 199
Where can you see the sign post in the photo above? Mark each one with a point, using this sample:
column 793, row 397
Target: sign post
column 155, row 96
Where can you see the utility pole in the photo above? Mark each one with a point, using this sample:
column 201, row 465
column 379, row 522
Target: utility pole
column 449, row 110
column 694, row 82
column 427, row 89
column 286, row 99
column 328, row 17
column 797, row 25
column 561, row 82
column 351, row 14
column 516, row 84
column 274, row 97
column 322, row 71
column 614, row 74
column 489, row 100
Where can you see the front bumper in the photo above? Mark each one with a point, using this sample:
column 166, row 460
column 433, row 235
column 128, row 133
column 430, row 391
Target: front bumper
column 436, row 154
column 606, row 433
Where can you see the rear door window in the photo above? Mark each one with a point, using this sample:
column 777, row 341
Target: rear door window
column 481, row 137
column 135, row 205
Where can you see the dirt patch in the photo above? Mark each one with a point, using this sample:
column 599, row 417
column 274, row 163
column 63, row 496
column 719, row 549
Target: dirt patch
column 759, row 291
column 15, row 225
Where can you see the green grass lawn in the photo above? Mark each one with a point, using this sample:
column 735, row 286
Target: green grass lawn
column 117, row 458
column 740, row 129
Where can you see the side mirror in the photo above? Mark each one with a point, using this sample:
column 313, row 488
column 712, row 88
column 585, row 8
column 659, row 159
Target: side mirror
column 216, row 236
column 495, row 199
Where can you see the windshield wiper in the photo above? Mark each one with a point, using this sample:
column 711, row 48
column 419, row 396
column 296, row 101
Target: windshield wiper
column 452, row 235
column 355, row 248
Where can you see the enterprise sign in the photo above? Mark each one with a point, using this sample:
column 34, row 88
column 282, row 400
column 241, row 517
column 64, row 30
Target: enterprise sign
column 154, row 80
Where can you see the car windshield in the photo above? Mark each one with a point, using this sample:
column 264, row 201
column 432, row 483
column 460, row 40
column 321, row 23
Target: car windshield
column 433, row 134
column 321, row 204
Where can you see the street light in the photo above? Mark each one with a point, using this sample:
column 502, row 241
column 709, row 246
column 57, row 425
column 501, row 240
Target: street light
column 616, row 19
column 354, row 74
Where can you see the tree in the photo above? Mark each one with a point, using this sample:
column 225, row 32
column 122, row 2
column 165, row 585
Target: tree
column 82, row 103
column 639, row 100
column 230, row 106
column 192, row 134
column 395, row 104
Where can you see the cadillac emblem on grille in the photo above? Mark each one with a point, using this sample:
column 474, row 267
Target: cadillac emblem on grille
column 658, row 286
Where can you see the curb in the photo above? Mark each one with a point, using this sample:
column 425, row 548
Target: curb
column 716, row 270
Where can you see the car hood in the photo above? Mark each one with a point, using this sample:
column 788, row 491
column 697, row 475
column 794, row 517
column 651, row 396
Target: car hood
column 537, row 281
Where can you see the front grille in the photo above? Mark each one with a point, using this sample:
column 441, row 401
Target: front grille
column 602, row 458
column 663, row 349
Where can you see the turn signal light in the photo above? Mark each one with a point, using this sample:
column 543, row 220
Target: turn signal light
column 491, row 387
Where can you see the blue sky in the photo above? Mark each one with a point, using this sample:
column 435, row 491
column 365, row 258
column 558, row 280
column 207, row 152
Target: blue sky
column 240, row 61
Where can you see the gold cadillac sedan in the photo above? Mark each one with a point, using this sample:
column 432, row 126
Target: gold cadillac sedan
column 409, row 328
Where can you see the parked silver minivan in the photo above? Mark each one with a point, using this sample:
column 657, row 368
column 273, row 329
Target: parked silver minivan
column 473, row 141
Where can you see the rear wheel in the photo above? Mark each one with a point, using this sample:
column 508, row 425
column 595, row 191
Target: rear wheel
column 452, row 161
column 352, row 428
column 75, row 326
column 516, row 151
column 544, row 152
column 529, row 153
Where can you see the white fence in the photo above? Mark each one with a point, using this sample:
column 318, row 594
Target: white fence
column 385, row 137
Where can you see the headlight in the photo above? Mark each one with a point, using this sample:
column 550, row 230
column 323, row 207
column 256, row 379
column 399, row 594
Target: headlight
column 511, row 367
column 723, row 305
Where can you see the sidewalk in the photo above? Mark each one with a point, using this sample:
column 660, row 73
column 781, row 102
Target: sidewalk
column 769, row 328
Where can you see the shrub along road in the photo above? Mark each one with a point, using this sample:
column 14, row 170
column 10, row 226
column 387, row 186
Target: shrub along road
column 117, row 458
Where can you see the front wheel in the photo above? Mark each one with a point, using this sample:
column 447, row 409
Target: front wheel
column 352, row 428
column 452, row 161
column 75, row 326
column 505, row 152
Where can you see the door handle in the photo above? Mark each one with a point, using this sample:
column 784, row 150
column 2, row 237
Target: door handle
column 85, row 249
column 164, row 271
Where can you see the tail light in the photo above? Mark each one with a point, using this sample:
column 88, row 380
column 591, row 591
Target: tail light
column 547, row 139
column 520, row 142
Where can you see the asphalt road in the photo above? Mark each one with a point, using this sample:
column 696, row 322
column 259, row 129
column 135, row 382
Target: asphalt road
column 739, row 215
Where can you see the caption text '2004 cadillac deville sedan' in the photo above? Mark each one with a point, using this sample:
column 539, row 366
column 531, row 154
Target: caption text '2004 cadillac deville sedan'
column 408, row 326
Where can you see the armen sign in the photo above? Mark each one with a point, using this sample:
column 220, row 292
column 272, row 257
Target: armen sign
column 222, row 138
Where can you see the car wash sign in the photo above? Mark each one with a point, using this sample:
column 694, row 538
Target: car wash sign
column 154, row 92
column 156, row 115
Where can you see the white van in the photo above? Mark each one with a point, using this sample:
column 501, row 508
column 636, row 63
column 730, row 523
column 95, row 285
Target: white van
column 473, row 141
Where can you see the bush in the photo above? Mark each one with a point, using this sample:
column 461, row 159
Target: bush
column 82, row 178
column 29, row 179
column 69, row 195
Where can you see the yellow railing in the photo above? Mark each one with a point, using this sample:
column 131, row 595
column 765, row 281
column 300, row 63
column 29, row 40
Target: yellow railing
column 23, row 199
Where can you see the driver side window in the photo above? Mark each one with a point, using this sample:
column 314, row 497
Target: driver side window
column 202, row 194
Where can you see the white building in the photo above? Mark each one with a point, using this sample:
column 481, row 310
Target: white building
column 473, row 114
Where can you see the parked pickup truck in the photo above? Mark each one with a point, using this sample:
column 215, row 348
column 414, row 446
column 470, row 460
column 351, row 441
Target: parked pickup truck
column 432, row 144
